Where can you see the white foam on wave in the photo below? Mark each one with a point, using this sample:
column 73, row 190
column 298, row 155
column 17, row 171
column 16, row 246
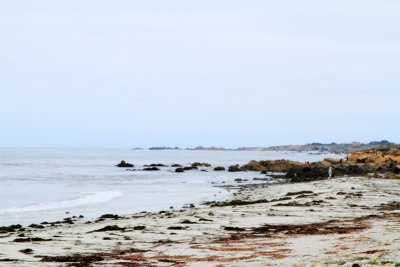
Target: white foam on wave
column 92, row 198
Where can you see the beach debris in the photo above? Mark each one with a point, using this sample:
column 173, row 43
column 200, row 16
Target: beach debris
column 205, row 220
column 26, row 251
column 110, row 216
column 31, row 239
column 177, row 228
column 11, row 228
column 36, row 226
column 139, row 227
column 109, row 228
column 187, row 222
column 83, row 260
column 299, row 193
column 231, row 228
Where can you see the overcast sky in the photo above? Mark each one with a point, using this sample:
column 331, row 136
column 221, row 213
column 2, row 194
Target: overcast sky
column 225, row 73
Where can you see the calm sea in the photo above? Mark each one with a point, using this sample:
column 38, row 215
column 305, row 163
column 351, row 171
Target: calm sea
column 48, row 184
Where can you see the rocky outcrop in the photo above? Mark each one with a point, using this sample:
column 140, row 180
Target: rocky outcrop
column 268, row 165
column 376, row 158
column 156, row 165
column 124, row 164
column 234, row 168
column 199, row 164
column 176, row 165
column 374, row 164
column 151, row 169
column 179, row 170
column 219, row 168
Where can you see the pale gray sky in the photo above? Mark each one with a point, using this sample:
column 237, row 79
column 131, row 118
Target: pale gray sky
column 224, row 73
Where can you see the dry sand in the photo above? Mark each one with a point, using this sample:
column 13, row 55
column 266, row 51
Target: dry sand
column 342, row 221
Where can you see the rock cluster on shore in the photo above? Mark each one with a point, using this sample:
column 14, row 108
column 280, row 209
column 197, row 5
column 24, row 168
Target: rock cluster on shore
column 375, row 164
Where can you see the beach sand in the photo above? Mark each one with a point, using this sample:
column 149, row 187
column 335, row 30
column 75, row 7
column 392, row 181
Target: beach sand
column 342, row 221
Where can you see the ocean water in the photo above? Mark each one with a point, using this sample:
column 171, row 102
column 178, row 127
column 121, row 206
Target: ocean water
column 49, row 184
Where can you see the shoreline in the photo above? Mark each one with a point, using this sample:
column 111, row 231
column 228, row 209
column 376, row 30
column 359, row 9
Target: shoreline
column 194, row 236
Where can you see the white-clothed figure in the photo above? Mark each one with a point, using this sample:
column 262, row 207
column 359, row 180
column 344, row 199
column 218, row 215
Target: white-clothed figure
column 330, row 171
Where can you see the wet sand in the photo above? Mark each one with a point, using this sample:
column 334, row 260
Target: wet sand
column 341, row 221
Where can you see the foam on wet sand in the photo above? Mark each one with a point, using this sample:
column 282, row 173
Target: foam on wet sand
column 338, row 221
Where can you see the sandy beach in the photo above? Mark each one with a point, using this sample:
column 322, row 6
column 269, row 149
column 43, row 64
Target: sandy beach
column 340, row 221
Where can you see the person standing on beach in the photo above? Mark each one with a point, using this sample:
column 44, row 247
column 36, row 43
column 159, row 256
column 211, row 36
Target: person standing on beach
column 330, row 171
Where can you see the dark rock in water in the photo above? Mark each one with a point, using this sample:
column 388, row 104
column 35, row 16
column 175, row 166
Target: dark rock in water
column 198, row 164
column 219, row 168
column 234, row 168
column 151, row 169
column 190, row 168
column 124, row 164
column 156, row 165
column 176, row 165
column 179, row 170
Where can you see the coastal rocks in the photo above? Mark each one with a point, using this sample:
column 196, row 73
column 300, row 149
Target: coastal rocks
column 198, row 164
column 179, row 170
column 271, row 165
column 396, row 169
column 176, row 165
column 124, row 164
column 301, row 172
column 190, row 168
column 183, row 169
column 234, row 168
column 375, row 157
column 151, row 169
column 219, row 168
column 156, row 165
column 110, row 216
column 267, row 165
column 10, row 229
